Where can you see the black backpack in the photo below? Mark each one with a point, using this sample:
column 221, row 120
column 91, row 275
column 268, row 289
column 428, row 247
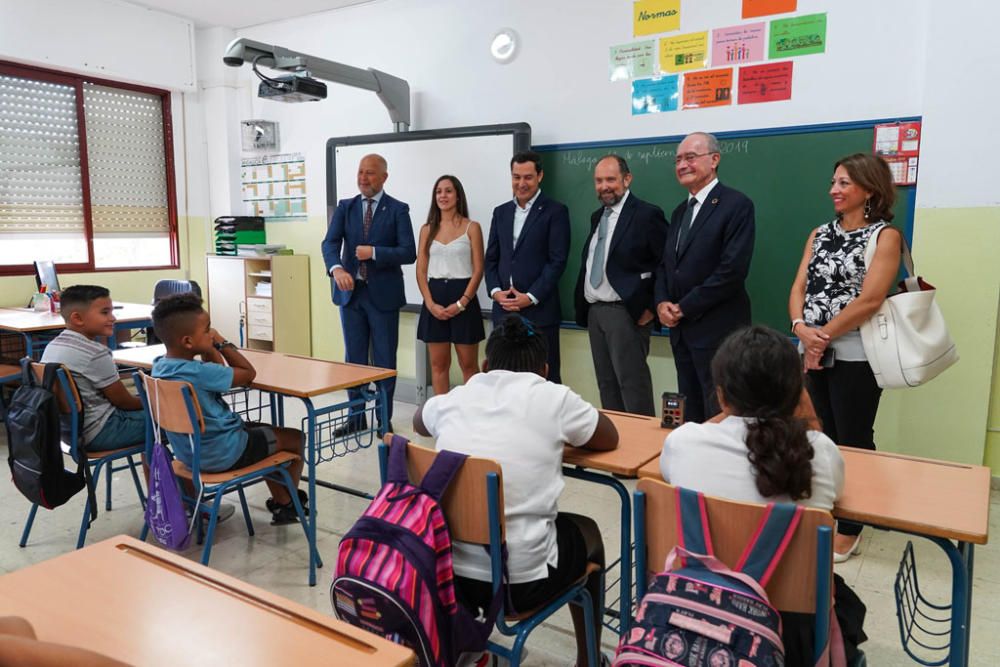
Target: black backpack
column 34, row 433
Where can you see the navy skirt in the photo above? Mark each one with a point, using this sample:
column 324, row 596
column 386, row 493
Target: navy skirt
column 466, row 328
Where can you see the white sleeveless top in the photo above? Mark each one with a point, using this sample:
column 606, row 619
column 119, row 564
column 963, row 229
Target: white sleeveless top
column 451, row 260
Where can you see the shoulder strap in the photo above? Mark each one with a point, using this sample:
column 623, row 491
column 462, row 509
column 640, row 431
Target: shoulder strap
column 441, row 472
column 904, row 249
column 768, row 544
column 27, row 377
column 49, row 377
column 396, row 469
column 692, row 517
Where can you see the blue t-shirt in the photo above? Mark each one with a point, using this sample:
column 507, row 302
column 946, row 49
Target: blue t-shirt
column 224, row 439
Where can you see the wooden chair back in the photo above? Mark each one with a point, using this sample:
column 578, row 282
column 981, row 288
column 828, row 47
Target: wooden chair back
column 465, row 503
column 732, row 524
column 64, row 406
column 167, row 406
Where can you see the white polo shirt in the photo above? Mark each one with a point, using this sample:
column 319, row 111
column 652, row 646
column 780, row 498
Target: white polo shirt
column 522, row 421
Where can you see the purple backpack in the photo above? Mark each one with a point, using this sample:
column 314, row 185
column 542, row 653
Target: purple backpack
column 394, row 572
column 705, row 614
column 165, row 513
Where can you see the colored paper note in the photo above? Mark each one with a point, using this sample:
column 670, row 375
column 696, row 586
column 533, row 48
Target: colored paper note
column 684, row 52
column 797, row 36
column 753, row 8
column 653, row 16
column 711, row 88
column 654, row 95
column 769, row 82
column 629, row 61
column 738, row 44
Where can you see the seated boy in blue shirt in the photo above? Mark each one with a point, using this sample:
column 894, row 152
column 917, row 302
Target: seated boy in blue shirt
column 113, row 417
column 228, row 442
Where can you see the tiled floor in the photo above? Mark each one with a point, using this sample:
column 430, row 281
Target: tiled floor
column 276, row 558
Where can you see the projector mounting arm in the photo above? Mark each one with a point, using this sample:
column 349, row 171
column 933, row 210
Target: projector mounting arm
column 393, row 91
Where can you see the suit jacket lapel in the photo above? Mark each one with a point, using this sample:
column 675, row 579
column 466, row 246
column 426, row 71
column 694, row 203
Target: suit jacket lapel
column 621, row 227
column 704, row 213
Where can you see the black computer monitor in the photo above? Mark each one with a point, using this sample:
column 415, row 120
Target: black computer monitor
column 45, row 274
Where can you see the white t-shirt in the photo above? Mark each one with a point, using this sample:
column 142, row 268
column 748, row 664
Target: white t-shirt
column 521, row 421
column 712, row 459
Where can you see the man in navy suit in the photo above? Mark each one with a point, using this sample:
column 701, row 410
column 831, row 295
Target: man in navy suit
column 526, row 254
column 700, row 291
column 369, row 239
column 614, row 292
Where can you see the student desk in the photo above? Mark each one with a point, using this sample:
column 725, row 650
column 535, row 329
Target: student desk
column 145, row 606
column 938, row 500
column 640, row 439
column 303, row 378
column 30, row 324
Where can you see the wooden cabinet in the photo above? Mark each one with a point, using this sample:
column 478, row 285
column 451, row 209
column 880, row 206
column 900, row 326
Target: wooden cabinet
column 261, row 302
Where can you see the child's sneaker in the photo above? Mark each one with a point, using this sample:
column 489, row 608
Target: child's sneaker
column 284, row 515
column 272, row 505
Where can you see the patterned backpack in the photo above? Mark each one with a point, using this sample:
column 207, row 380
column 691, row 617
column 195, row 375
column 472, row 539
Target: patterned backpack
column 704, row 613
column 394, row 570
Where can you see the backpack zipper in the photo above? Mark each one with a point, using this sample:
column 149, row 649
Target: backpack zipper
column 740, row 621
column 387, row 594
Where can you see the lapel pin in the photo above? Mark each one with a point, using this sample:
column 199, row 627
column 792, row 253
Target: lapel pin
column 715, row 200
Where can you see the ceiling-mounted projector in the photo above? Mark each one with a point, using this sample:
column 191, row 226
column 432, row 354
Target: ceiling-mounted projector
column 291, row 89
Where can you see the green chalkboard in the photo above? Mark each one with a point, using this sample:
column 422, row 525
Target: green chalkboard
column 786, row 174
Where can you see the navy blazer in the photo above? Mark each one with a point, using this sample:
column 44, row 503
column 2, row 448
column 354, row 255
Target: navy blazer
column 391, row 234
column 706, row 276
column 536, row 263
column 634, row 249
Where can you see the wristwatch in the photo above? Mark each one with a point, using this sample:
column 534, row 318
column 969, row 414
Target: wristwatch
column 219, row 346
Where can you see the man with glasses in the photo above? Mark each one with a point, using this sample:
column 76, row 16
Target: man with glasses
column 700, row 283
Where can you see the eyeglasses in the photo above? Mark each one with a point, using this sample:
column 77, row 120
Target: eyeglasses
column 691, row 157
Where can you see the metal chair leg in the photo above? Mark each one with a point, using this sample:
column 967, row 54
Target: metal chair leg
column 246, row 510
column 27, row 525
column 107, row 485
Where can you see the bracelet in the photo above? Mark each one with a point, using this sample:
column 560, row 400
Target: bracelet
column 458, row 304
column 796, row 322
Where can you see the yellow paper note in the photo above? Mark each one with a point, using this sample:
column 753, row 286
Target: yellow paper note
column 653, row 16
column 684, row 52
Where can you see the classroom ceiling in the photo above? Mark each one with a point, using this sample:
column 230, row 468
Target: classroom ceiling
column 242, row 13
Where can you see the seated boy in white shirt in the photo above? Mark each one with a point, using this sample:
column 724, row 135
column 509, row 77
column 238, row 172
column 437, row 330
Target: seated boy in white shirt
column 510, row 413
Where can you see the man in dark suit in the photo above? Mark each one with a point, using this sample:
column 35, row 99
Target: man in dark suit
column 614, row 292
column 700, row 291
column 369, row 239
column 526, row 254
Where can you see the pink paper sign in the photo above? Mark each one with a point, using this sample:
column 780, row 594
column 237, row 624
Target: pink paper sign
column 738, row 44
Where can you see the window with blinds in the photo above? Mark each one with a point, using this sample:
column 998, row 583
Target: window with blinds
column 91, row 192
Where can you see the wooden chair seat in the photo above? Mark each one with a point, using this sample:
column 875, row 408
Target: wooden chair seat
column 6, row 370
column 182, row 470
column 591, row 569
column 93, row 456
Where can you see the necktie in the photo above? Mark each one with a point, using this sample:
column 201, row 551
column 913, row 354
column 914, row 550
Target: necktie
column 365, row 229
column 686, row 221
column 597, row 266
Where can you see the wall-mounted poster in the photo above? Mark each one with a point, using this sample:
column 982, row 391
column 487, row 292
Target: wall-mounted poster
column 711, row 88
column 738, row 44
column 274, row 186
column 769, row 82
column 755, row 8
column 654, row 16
column 684, row 52
column 797, row 36
column 654, row 95
column 628, row 61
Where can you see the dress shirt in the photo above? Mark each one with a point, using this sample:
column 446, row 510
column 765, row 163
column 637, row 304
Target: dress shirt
column 604, row 291
column 701, row 196
column 376, row 198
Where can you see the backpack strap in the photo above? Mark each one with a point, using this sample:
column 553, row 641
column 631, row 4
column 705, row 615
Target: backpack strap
column 442, row 471
column 692, row 517
column 396, row 469
column 769, row 542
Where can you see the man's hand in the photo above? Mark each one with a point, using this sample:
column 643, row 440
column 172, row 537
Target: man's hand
column 364, row 252
column 669, row 313
column 344, row 280
column 645, row 318
column 514, row 301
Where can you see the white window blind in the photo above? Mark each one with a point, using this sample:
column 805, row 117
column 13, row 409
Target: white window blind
column 126, row 161
column 40, row 184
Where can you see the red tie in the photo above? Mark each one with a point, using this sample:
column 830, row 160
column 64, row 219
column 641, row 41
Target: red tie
column 365, row 229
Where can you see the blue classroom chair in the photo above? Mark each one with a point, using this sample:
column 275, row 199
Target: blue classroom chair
column 71, row 408
column 473, row 508
column 175, row 408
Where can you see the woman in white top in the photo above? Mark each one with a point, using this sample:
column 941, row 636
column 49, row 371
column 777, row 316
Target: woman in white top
column 449, row 270
column 765, row 446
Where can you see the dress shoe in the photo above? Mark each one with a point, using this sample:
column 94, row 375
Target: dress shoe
column 353, row 425
column 853, row 550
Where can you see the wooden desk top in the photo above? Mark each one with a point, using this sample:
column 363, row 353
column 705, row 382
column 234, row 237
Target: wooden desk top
column 24, row 320
column 640, row 439
column 923, row 496
column 145, row 606
column 285, row 374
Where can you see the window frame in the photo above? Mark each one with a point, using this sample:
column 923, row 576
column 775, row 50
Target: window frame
column 76, row 81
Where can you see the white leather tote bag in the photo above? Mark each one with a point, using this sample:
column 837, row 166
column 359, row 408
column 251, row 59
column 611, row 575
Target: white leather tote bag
column 906, row 341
